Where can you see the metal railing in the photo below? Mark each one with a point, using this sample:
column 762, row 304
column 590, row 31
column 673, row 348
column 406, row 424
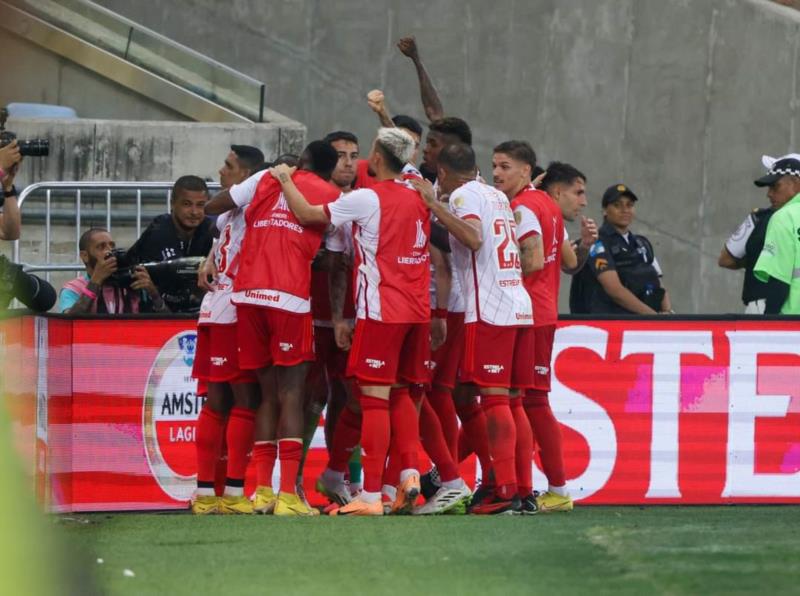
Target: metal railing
column 138, row 192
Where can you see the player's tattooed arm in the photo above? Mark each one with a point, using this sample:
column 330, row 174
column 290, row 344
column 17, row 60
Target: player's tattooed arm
column 377, row 104
column 337, row 290
column 531, row 254
column 305, row 213
column 467, row 232
column 220, row 203
column 430, row 98
column 579, row 250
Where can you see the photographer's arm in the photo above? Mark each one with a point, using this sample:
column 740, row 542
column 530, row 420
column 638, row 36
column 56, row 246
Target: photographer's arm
column 10, row 219
column 143, row 281
column 94, row 289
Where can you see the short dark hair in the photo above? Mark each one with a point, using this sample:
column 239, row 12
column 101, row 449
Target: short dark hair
column 86, row 237
column 407, row 122
column 321, row 158
column 190, row 183
column 453, row 126
column 290, row 159
column 519, row 150
column 458, row 158
column 340, row 135
column 561, row 173
column 249, row 157
column 537, row 171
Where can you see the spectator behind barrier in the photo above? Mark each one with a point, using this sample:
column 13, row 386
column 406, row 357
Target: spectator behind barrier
column 105, row 288
column 32, row 291
column 184, row 232
column 622, row 274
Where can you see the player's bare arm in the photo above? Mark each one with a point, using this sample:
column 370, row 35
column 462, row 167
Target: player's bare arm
column 430, row 98
column 578, row 252
column 531, row 254
column 443, row 277
column 207, row 271
column 467, row 232
column 377, row 103
column 728, row 261
column 337, row 290
column 305, row 213
column 220, row 203
column 621, row 295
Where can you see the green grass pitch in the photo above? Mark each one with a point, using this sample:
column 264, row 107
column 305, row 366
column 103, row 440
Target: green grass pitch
column 593, row 550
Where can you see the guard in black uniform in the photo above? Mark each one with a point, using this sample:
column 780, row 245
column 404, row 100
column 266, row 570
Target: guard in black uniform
column 622, row 274
column 741, row 251
column 184, row 232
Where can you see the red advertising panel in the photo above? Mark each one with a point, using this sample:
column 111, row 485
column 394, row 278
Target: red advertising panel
column 652, row 412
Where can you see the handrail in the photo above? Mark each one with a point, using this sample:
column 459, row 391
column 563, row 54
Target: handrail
column 48, row 266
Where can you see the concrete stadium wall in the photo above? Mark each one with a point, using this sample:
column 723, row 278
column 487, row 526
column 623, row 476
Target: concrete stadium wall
column 40, row 76
column 677, row 98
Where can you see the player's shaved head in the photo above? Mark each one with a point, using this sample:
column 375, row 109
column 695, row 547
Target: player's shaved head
column 458, row 158
column 320, row 158
column 396, row 146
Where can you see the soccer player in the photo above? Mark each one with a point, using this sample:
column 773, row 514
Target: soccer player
column 540, row 218
column 498, row 342
column 391, row 346
column 272, row 293
column 216, row 360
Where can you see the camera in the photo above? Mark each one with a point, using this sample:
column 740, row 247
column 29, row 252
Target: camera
column 27, row 147
column 123, row 276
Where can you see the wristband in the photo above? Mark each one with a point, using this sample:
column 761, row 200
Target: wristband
column 89, row 293
column 439, row 313
column 10, row 193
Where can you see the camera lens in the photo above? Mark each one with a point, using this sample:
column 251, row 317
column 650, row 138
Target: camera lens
column 34, row 147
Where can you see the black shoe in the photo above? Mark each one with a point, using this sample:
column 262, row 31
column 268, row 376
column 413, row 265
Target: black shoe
column 430, row 482
column 482, row 493
column 498, row 506
column 529, row 506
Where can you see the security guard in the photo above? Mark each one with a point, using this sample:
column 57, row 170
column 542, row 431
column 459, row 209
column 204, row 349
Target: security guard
column 741, row 251
column 622, row 274
column 778, row 266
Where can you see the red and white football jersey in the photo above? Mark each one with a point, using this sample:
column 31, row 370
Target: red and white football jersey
column 491, row 277
column 391, row 250
column 275, row 259
column 216, row 307
column 537, row 213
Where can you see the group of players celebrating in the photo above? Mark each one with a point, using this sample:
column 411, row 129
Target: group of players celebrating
column 404, row 306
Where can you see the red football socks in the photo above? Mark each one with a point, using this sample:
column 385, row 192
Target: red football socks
column 476, row 438
column 345, row 438
column 375, row 433
column 405, row 427
column 239, row 439
column 433, row 441
column 264, row 455
column 289, row 452
column 208, row 444
column 502, row 443
column 548, row 435
column 441, row 399
column 524, row 448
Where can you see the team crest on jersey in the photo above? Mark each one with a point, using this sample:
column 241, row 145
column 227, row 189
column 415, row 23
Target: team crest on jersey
column 422, row 239
column 518, row 217
column 281, row 205
column 458, row 201
column 169, row 415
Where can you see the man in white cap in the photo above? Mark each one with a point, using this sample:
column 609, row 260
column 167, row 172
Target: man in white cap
column 778, row 266
column 742, row 249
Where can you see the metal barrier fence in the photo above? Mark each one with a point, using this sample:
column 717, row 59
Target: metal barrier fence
column 142, row 190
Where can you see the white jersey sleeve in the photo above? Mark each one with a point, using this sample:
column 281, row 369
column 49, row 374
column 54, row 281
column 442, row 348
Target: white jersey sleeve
column 358, row 206
column 527, row 223
column 737, row 243
column 244, row 192
column 340, row 240
column 466, row 204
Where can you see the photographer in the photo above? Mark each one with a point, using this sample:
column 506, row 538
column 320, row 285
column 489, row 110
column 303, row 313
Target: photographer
column 33, row 292
column 103, row 289
column 184, row 232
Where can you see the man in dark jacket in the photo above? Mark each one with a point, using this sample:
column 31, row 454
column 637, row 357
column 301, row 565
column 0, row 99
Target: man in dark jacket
column 184, row 232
